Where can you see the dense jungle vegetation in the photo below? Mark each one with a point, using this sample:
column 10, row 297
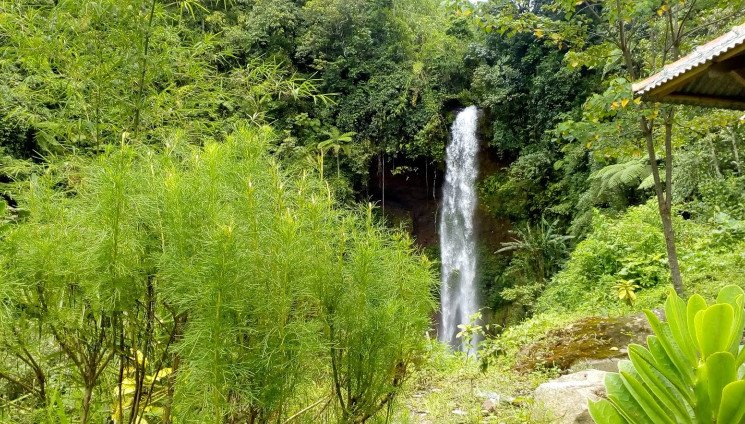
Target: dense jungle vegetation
column 192, row 199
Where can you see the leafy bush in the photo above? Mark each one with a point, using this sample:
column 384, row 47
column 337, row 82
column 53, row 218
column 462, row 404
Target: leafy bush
column 504, row 196
column 691, row 370
column 538, row 252
column 203, row 285
column 617, row 249
column 629, row 250
column 720, row 196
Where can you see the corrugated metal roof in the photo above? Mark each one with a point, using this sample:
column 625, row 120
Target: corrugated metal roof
column 701, row 56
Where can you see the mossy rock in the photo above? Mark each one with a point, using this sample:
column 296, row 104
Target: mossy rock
column 587, row 339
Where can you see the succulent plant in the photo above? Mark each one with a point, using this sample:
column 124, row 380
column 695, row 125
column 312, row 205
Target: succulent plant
column 691, row 370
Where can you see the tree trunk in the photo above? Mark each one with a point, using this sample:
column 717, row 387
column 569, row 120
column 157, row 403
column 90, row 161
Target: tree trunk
column 87, row 403
column 382, row 165
column 672, row 254
column 664, row 195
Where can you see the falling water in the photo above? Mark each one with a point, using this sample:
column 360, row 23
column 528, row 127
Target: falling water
column 457, row 243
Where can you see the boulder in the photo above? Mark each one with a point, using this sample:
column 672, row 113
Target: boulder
column 589, row 339
column 564, row 400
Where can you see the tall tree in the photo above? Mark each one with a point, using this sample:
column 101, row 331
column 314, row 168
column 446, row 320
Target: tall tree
column 623, row 41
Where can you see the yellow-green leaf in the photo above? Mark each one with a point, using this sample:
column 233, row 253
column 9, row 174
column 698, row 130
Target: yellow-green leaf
column 732, row 409
column 712, row 328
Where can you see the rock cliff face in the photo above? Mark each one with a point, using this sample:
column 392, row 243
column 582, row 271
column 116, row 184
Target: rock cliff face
column 411, row 193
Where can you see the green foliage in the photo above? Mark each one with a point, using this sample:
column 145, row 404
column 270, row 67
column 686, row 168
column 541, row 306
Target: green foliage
column 627, row 290
column 605, row 45
column 113, row 67
column 473, row 331
column 691, row 370
column 76, row 76
column 718, row 198
column 337, row 142
column 526, row 90
column 393, row 64
column 525, row 78
column 538, row 253
column 204, row 284
column 504, row 347
column 620, row 175
column 506, row 197
column 630, row 249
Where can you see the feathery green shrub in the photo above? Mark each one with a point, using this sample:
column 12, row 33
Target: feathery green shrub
column 203, row 284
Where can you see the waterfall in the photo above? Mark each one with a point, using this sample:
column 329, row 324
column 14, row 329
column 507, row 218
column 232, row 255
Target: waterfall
column 457, row 240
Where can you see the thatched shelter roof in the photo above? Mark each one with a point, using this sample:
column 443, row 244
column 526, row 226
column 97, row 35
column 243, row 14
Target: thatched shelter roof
column 712, row 75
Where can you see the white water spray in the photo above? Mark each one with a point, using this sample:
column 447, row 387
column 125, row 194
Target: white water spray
column 457, row 241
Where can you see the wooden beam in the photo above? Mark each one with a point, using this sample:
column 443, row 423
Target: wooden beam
column 729, row 65
column 703, row 100
column 739, row 76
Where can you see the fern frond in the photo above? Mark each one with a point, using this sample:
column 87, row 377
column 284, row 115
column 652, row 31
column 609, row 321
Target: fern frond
column 648, row 182
column 622, row 175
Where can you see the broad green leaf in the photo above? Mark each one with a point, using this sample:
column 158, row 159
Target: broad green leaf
column 729, row 294
column 623, row 401
column 645, row 399
column 738, row 326
column 666, row 366
column 732, row 409
column 627, row 366
column 735, row 297
column 603, row 412
column 675, row 312
column 722, row 371
column 712, row 328
column 703, row 409
column 669, row 382
column 659, row 385
column 665, row 337
column 695, row 304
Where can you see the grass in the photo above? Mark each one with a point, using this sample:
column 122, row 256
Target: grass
column 451, row 388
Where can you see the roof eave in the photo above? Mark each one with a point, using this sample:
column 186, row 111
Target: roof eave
column 701, row 59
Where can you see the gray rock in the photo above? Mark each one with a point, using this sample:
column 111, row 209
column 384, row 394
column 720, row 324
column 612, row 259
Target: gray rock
column 489, row 407
column 495, row 397
column 492, row 401
column 564, row 400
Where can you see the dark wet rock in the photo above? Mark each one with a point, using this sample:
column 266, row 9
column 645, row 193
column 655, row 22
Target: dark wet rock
column 584, row 341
